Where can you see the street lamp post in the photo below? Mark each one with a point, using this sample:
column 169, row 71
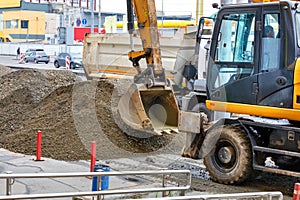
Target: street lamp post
column 162, row 14
column 92, row 16
column 99, row 17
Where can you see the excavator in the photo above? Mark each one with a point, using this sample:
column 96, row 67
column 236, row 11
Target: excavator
column 253, row 80
column 252, row 85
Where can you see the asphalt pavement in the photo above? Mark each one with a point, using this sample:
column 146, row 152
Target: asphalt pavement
column 12, row 62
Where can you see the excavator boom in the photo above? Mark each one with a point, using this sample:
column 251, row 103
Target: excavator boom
column 147, row 24
column 145, row 13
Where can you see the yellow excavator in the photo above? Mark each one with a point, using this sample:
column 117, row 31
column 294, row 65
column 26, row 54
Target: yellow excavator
column 149, row 104
column 253, row 89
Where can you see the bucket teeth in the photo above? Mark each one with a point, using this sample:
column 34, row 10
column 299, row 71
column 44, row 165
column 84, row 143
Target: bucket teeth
column 167, row 131
column 158, row 132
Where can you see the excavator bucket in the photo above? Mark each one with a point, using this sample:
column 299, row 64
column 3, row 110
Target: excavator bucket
column 151, row 110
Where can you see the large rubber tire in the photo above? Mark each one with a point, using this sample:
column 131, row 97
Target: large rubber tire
column 228, row 156
column 201, row 107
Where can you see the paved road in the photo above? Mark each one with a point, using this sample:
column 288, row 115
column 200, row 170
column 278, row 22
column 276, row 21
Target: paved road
column 12, row 62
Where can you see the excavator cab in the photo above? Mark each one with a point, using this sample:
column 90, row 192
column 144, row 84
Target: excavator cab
column 252, row 70
column 149, row 105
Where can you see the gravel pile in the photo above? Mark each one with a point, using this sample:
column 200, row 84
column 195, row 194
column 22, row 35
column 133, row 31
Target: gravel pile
column 71, row 114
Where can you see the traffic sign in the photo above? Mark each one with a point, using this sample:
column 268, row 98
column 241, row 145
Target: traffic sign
column 78, row 22
column 84, row 21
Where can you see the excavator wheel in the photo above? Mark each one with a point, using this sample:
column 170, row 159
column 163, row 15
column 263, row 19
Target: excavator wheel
column 227, row 155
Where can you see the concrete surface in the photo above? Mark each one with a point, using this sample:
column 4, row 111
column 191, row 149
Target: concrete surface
column 18, row 163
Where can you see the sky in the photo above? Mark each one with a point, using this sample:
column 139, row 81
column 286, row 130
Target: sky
column 170, row 7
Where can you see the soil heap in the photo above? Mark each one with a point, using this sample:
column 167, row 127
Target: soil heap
column 71, row 113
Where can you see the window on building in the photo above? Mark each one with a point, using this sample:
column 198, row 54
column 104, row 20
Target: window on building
column 8, row 24
column 24, row 23
column 12, row 24
column 15, row 23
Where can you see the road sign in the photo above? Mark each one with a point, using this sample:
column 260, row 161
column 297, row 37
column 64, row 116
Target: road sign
column 84, row 21
column 78, row 22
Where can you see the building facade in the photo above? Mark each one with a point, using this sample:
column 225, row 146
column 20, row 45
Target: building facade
column 42, row 20
column 23, row 25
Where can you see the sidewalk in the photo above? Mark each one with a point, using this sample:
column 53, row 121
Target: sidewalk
column 18, row 163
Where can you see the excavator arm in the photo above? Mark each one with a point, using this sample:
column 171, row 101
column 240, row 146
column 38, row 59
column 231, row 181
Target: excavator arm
column 149, row 105
column 145, row 13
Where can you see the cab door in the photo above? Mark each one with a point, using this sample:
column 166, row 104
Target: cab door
column 276, row 73
column 232, row 72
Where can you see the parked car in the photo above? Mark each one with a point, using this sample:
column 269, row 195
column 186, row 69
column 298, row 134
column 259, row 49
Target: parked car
column 36, row 56
column 28, row 51
column 75, row 60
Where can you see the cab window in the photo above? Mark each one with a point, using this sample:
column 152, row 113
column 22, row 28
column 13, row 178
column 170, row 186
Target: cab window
column 270, row 55
column 236, row 38
column 298, row 27
column 234, row 55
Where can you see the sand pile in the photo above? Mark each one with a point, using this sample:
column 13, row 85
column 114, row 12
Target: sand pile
column 71, row 114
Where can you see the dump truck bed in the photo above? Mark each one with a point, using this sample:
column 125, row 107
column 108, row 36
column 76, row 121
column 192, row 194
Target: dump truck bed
column 106, row 55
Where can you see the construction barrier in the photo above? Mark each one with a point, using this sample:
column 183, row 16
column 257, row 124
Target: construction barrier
column 67, row 63
column 21, row 61
column 296, row 195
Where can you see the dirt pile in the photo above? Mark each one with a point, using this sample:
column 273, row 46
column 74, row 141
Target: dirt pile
column 70, row 113
column 22, row 94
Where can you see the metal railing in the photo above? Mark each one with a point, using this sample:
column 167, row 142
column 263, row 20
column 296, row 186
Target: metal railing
column 10, row 179
column 235, row 196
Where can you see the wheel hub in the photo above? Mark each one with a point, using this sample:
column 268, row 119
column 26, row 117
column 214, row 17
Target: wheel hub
column 225, row 154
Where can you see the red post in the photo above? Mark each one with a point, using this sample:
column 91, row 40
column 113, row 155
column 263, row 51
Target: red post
column 296, row 195
column 94, row 4
column 87, row 4
column 79, row 3
column 39, row 146
column 93, row 156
